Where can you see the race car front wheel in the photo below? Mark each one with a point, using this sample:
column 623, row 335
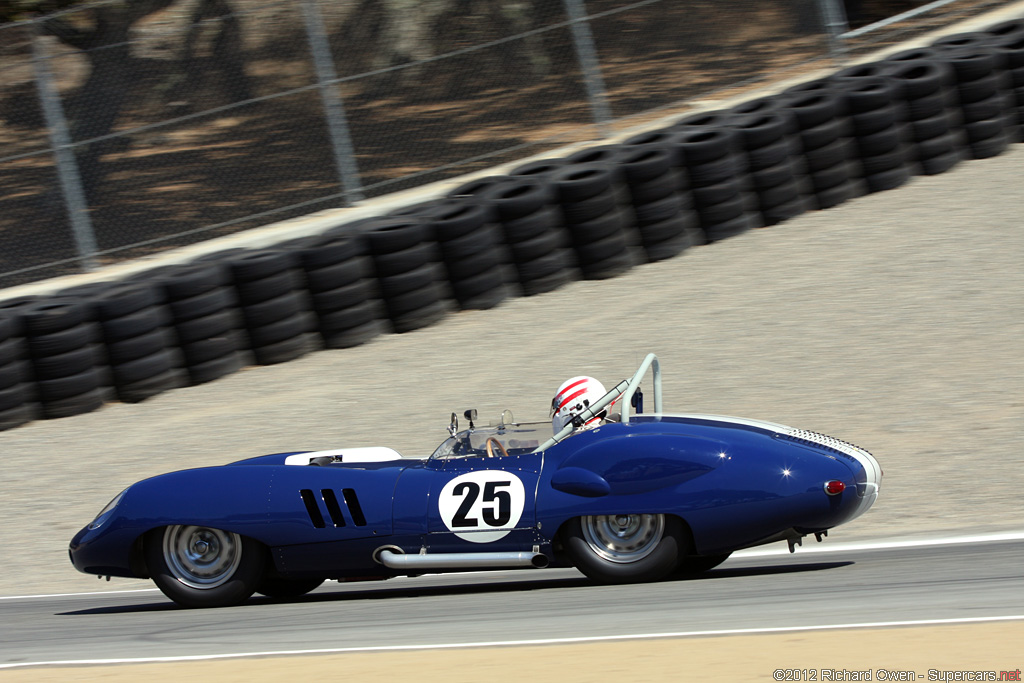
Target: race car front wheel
column 198, row 566
column 626, row 548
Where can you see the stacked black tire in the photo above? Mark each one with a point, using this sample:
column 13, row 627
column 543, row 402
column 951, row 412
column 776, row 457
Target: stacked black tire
column 67, row 360
column 718, row 178
column 876, row 121
column 987, row 118
column 471, row 246
column 824, row 145
column 141, row 352
column 1008, row 40
column 16, row 393
column 533, row 230
column 405, row 261
column 338, row 276
column 766, row 141
column 662, row 203
column 589, row 196
column 272, row 298
column 204, row 316
column 935, row 144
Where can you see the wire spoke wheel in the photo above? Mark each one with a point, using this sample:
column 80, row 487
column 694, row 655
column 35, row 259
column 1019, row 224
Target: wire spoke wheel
column 623, row 538
column 200, row 557
column 626, row 548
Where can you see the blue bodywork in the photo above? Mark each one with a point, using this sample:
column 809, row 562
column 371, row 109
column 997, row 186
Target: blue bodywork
column 734, row 483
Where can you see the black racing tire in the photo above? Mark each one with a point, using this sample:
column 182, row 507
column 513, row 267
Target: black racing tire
column 547, row 283
column 68, row 386
column 261, row 264
column 612, row 223
column 76, row 405
column 544, row 266
column 341, row 298
column 470, row 244
column 455, row 219
column 626, row 548
column 202, row 305
column 541, row 168
column 940, row 163
column 212, row 348
column 64, row 341
column 989, row 147
column 721, row 231
column 919, row 78
column 423, row 317
column 828, row 156
column 53, row 315
column 871, row 122
column 401, row 262
column 213, row 325
column 889, row 179
column 137, row 392
column 930, row 127
column 186, row 281
column 349, row 337
column 698, row 564
column 975, row 91
column 714, row 171
column 17, row 416
column 666, row 185
column 283, row 351
column 413, row 300
column 828, row 197
column 644, row 164
column 281, row 588
column 773, row 215
column 293, row 326
column 472, row 265
column 761, row 129
column 814, row 108
column 396, row 285
column 716, row 194
column 880, row 163
column 124, row 299
column 338, row 274
column 272, row 286
column 780, row 194
column 390, row 235
column 579, row 182
column 702, row 145
column 202, row 567
column 14, row 396
column 666, row 249
column 146, row 320
column 658, row 211
column 64, row 364
column 601, row 154
column 822, row 135
column 535, row 247
column 972, row 62
column 670, row 228
column 347, row 318
column 518, row 197
column 546, row 219
column 323, row 251
column 722, row 212
column 485, row 300
column 137, row 347
column 272, row 310
column 214, row 369
column 988, row 108
column 142, row 369
column 600, row 250
column 769, row 155
column 611, row 267
column 589, row 209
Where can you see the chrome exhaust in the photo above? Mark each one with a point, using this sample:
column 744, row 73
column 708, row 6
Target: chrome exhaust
column 393, row 558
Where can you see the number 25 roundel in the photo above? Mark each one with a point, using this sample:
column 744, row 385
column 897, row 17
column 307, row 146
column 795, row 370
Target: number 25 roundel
column 482, row 506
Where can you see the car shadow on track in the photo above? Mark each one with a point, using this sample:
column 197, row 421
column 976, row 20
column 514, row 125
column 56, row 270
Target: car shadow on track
column 408, row 589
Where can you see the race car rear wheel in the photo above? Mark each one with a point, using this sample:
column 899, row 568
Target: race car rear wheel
column 625, row 548
column 274, row 587
column 197, row 566
column 696, row 564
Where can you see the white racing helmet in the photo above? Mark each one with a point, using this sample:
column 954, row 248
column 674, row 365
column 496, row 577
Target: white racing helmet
column 572, row 398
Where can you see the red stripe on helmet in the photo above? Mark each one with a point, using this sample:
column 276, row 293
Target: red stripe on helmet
column 571, row 397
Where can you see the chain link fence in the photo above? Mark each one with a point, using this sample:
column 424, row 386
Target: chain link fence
column 132, row 128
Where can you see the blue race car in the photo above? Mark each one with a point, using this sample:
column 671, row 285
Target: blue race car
column 638, row 497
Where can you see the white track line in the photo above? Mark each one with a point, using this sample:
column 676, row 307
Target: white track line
column 512, row 643
column 830, row 548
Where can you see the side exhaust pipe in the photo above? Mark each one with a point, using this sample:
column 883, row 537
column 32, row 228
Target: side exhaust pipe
column 393, row 558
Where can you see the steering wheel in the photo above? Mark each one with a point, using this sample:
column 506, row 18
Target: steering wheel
column 490, row 451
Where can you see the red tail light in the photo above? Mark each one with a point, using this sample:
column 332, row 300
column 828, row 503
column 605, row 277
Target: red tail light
column 834, row 487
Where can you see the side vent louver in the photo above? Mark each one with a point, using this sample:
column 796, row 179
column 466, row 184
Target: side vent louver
column 353, row 506
column 312, row 509
column 330, row 498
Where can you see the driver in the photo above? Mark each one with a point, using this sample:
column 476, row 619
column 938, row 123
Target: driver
column 572, row 398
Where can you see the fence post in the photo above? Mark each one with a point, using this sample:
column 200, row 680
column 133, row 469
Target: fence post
column 67, row 165
column 337, row 124
column 833, row 16
column 583, row 40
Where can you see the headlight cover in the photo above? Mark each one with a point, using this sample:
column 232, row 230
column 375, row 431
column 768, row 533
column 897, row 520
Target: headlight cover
column 106, row 511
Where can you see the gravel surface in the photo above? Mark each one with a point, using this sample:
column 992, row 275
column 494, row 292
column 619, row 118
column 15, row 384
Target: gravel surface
column 893, row 321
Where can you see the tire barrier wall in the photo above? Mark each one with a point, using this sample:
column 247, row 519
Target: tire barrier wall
column 592, row 215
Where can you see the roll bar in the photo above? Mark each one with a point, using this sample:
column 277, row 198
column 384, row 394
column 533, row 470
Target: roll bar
column 625, row 389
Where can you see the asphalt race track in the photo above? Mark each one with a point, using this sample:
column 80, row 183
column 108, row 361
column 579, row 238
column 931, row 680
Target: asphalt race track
column 768, row 591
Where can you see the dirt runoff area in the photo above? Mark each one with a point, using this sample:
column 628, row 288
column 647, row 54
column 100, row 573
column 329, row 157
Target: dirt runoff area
column 945, row 653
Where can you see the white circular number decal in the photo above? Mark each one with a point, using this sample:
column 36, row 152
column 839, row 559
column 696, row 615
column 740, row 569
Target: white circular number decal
column 482, row 506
